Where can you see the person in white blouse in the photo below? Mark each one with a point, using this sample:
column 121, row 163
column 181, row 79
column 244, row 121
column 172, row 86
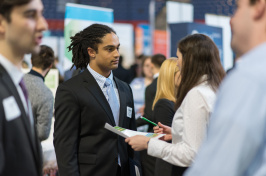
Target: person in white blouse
column 201, row 74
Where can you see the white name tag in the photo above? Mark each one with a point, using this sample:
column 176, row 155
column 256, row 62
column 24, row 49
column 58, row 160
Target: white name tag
column 11, row 108
column 129, row 112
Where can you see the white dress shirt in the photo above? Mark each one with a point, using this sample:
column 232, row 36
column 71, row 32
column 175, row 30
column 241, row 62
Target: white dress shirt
column 236, row 139
column 100, row 79
column 188, row 127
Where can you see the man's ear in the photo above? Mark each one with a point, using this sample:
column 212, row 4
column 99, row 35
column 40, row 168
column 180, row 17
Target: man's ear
column 2, row 24
column 91, row 52
column 259, row 9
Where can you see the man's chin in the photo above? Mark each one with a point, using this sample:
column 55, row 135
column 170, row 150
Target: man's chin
column 114, row 67
column 34, row 50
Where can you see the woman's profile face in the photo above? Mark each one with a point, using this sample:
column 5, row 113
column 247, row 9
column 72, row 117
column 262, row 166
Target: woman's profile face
column 147, row 68
column 177, row 78
column 179, row 59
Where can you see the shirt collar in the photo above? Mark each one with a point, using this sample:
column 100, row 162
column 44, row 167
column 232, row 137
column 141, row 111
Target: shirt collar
column 203, row 78
column 33, row 72
column 253, row 54
column 15, row 73
column 98, row 77
column 155, row 75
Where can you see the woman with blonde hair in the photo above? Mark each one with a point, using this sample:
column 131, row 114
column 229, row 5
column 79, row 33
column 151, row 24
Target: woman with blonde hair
column 163, row 105
column 165, row 97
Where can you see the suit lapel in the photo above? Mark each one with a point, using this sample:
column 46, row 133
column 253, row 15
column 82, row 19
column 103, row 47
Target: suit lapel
column 26, row 123
column 122, row 98
column 92, row 86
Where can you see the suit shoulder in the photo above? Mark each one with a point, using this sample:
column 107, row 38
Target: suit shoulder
column 35, row 83
column 122, row 83
column 164, row 101
column 153, row 84
column 74, row 80
column 32, row 81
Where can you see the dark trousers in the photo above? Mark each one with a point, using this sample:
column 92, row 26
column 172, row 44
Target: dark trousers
column 178, row 171
column 118, row 171
column 147, row 163
column 162, row 168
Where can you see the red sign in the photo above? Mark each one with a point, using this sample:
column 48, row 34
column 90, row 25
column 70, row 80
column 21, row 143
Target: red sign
column 160, row 42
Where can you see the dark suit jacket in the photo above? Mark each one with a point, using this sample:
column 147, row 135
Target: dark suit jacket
column 82, row 145
column 150, row 93
column 147, row 161
column 19, row 150
column 163, row 112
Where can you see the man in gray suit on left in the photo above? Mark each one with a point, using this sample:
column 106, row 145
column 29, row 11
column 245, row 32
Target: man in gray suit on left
column 40, row 96
column 21, row 27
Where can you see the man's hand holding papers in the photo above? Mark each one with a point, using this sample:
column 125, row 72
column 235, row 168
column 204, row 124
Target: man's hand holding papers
column 137, row 140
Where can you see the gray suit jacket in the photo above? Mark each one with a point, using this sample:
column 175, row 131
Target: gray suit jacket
column 42, row 100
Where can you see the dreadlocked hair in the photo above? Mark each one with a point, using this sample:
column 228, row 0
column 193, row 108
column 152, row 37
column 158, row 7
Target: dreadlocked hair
column 81, row 41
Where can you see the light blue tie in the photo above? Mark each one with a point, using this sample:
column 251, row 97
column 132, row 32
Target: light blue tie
column 113, row 102
column 112, row 99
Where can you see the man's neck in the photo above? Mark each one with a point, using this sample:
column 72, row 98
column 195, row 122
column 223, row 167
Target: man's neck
column 40, row 71
column 155, row 70
column 257, row 37
column 13, row 56
column 99, row 71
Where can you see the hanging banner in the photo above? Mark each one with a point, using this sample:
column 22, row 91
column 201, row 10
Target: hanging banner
column 138, row 41
column 160, row 42
column 143, row 40
column 78, row 17
column 181, row 30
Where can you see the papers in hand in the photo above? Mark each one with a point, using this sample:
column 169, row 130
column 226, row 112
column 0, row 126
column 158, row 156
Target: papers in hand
column 129, row 133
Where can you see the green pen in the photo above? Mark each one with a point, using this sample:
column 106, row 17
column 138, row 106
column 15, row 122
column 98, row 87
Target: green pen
column 143, row 118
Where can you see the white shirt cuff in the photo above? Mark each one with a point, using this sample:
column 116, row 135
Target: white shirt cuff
column 155, row 147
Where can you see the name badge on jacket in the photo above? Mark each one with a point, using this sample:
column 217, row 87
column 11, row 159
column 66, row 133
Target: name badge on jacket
column 11, row 108
column 129, row 112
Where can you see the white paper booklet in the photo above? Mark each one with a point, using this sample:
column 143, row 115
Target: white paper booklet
column 129, row 133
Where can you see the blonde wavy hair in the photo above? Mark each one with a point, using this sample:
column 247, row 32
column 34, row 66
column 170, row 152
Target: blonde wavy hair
column 166, row 81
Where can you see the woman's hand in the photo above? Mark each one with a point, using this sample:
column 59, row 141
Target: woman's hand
column 163, row 129
column 141, row 110
column 138, row 142
column 50, row 168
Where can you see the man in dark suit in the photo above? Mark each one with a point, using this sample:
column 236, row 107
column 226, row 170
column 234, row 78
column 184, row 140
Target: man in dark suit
column 156, row 62
column 86, row 102
column 148, row 162
column 19, row 146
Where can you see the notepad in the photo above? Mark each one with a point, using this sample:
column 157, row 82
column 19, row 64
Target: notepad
column 129, row 133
